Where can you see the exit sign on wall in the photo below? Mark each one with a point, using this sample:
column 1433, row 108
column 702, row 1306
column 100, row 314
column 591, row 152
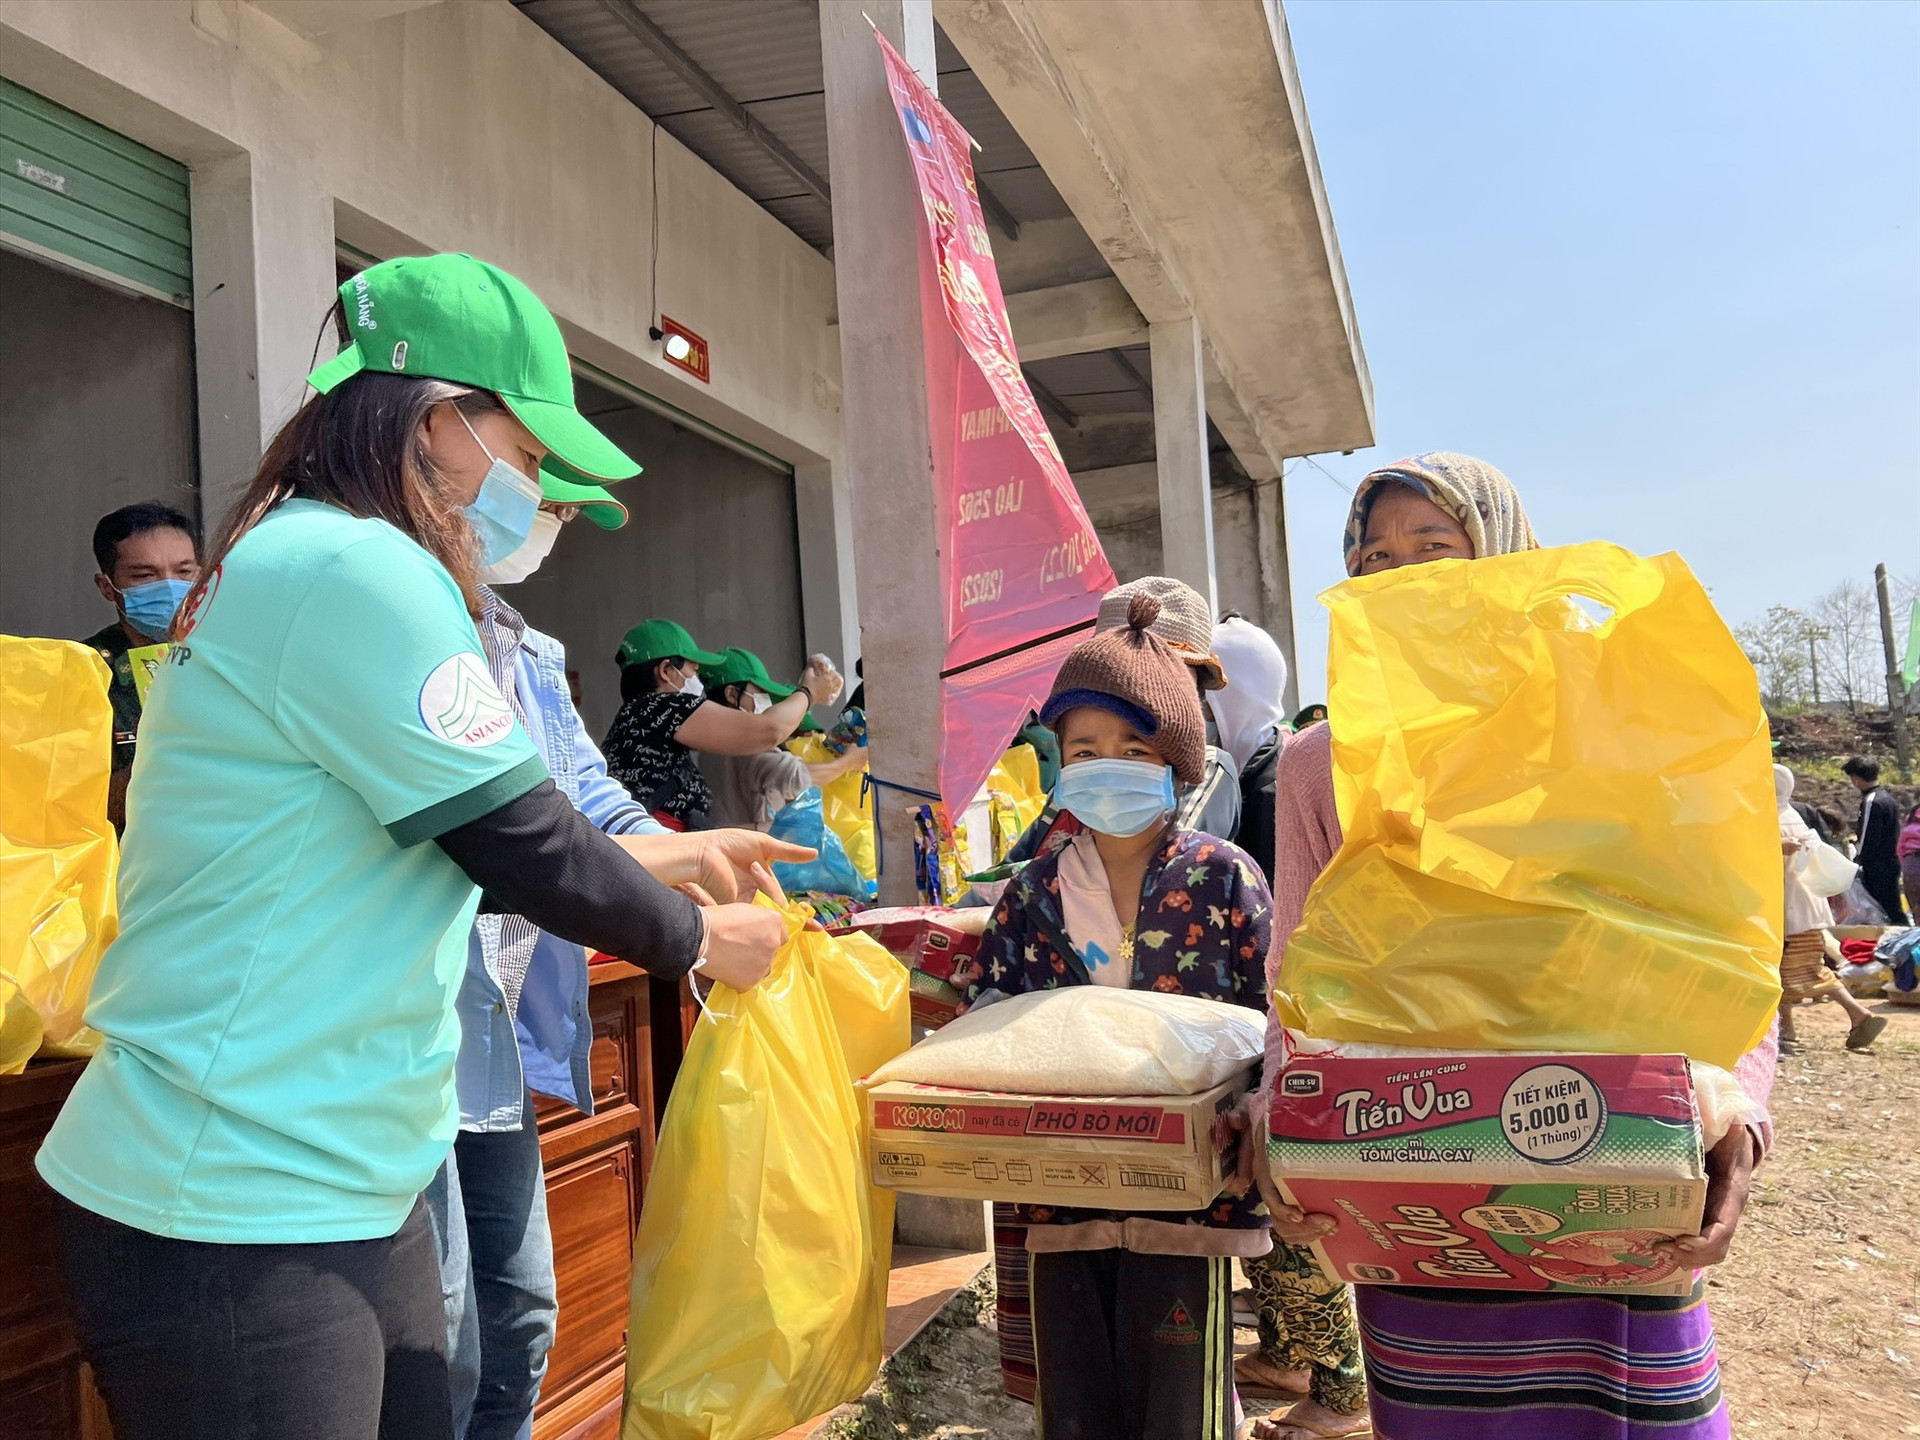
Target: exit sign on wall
column 686, row 350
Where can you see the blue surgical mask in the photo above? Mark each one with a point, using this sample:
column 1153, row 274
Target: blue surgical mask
column 150, row 607
column 501, row 515
column 1115, row 797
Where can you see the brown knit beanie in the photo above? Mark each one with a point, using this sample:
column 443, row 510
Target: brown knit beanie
column 1136, row 675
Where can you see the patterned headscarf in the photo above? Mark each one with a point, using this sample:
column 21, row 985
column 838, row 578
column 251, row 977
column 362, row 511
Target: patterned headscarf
column 1472, row 491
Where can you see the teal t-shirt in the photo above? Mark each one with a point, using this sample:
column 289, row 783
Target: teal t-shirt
column 277, row 1012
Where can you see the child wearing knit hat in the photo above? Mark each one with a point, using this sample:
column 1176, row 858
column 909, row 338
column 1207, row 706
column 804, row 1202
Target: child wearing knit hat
column 1209, row 800
column 1131, row 1311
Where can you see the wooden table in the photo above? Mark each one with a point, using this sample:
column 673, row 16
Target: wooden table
column 597, row 1170
column 46, row 1392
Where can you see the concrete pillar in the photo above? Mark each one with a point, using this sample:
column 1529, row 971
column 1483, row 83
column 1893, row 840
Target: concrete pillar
column 823, row 513
column 1180, row 453
column 1276, row 581
column 878, row 274
column 263, row 279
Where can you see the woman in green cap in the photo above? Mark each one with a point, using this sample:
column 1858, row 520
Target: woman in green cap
column 329, row 780
column 749, row 790
column 665, row 716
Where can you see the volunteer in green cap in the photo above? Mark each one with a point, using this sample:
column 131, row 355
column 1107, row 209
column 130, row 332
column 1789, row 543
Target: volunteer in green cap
column 328, row 780
column 749, row 790
column 665, row 716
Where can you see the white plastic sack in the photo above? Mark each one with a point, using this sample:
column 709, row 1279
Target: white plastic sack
column 1854, row 906
column 1718, row 1097
column 1722, row 1103
column 1824, row 870
column 1087, row 1040
column 1865, row 982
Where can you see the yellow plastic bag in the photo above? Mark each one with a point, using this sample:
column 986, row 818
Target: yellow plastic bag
column 1013, row 788
column 841, row 807
column 1560, row 828
column 58, row 854
column 760, row 1268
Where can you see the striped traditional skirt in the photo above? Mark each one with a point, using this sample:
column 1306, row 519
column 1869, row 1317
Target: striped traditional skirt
column 1467, row 1365
column 1803, row 969
column 1013, row 1303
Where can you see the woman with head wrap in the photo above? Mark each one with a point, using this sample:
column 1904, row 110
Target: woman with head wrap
column 1454, row 1364
column 1252, row 725
column 1803, row 971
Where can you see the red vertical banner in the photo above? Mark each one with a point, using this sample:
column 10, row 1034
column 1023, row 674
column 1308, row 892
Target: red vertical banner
column 1020, row 566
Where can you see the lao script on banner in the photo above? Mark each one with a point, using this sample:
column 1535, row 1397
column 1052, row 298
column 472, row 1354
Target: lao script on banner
column 1021, row 567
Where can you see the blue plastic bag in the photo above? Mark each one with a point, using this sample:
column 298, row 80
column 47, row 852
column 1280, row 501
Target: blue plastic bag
column 831, row 871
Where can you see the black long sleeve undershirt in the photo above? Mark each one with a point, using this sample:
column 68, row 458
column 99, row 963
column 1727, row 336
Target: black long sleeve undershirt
column 539, row 857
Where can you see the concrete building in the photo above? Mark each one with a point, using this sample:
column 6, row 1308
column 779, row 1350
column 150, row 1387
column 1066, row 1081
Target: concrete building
column 186, row 181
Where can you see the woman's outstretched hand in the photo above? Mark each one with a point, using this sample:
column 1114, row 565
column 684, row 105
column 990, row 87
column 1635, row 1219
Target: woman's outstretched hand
column 822, row 681
column 748, row 857
column 1290, row 1223
column 741, row 943
column 720, row 862
column 1729, row 1177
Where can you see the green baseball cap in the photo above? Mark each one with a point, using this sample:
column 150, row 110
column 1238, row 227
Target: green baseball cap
column 456, row 318
column 661, row 640
column 594, row 501
column 742, row 667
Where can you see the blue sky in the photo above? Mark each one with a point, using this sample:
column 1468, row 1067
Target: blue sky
column 1658, row 262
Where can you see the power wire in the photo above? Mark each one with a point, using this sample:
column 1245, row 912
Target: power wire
column 1309, row 460
column 653, row 241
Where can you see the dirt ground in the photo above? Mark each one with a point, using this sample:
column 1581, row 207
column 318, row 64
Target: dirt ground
column 1818, row 1310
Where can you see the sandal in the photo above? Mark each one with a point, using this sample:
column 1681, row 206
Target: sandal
column 1865, row 1032
column 1789, row 1047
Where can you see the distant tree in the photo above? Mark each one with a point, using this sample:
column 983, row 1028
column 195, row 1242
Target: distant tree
column 1852, row 665
column 1832, row 649
column 1777, row 646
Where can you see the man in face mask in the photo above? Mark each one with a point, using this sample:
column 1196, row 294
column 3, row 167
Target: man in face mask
column 148, row 559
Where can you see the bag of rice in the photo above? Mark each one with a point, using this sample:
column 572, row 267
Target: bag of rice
column 1087, row 1040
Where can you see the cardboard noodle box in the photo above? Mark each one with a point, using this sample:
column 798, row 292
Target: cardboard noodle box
column 919, row 937
column 1494, row 1172
column 1125, row 1152
column 933, row 1003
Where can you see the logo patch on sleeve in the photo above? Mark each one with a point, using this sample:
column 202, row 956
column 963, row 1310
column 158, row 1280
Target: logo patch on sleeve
column 459, row 702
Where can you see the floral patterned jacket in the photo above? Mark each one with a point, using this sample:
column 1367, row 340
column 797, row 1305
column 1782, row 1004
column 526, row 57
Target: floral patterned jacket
column 1203, row 929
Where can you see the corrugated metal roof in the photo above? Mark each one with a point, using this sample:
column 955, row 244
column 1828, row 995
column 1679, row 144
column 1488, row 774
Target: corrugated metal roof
column 766, row 55
column 1098, row 383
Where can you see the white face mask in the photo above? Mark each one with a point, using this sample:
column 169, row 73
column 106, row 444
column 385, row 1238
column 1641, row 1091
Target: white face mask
column 524, row 561
column 692, row 686
column 759, row 703
column 501, row 515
